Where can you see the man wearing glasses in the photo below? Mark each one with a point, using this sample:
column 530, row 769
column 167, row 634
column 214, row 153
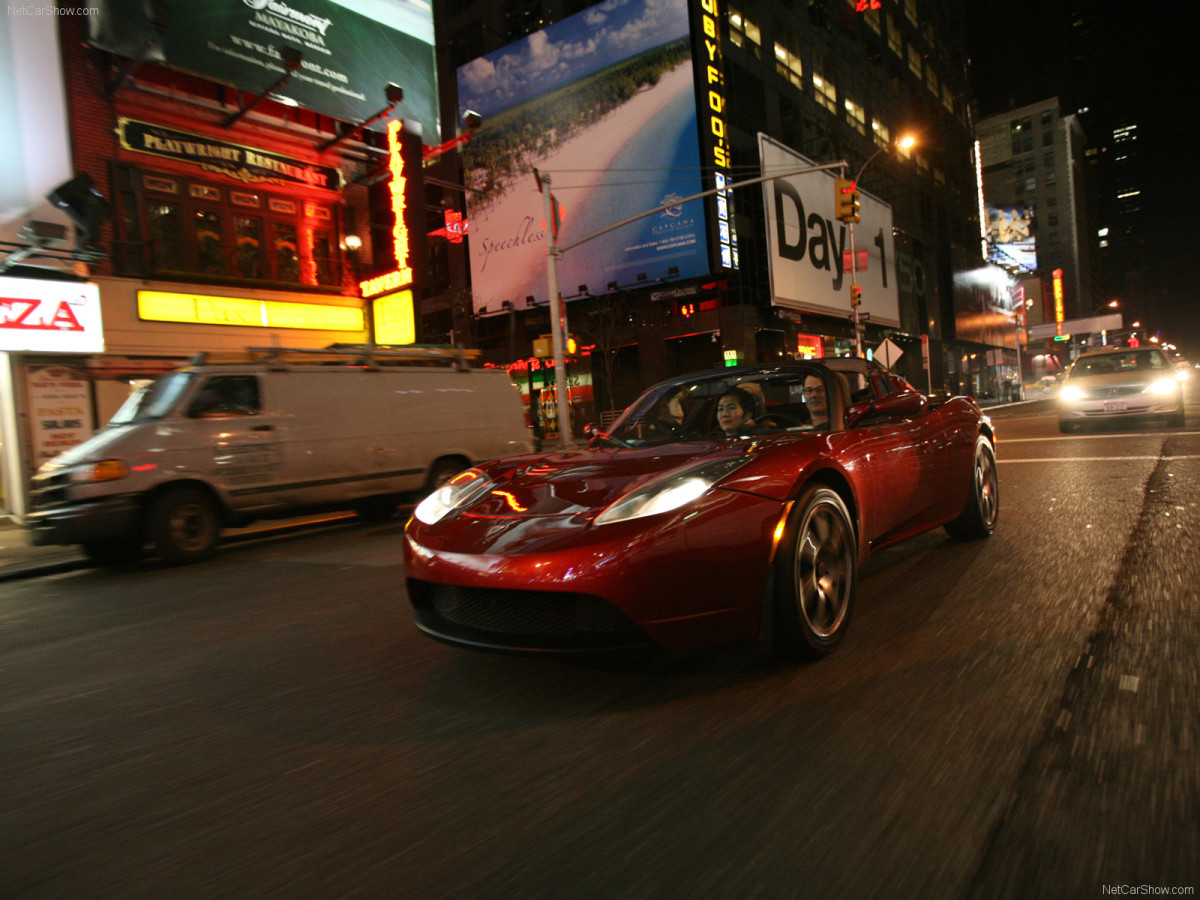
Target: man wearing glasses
column 818, row 403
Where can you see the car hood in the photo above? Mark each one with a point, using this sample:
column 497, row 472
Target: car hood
column 1116, row 379
column 584, row 482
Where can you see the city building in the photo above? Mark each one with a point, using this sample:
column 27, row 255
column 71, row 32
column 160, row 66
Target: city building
column 199, row 178
column 776, row 85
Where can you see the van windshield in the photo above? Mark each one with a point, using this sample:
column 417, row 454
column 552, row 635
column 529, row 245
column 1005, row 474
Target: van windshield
column 154, row 400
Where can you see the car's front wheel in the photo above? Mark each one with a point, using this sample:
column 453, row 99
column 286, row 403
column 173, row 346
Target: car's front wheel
column 816, row 576
column 978, row 520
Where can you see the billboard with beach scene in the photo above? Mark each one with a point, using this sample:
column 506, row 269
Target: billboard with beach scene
column 603, row 102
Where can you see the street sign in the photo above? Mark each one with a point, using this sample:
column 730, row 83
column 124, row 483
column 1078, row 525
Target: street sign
column 888, row 353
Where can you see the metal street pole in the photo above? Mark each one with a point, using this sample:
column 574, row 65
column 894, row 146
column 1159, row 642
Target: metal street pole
column 558, row 319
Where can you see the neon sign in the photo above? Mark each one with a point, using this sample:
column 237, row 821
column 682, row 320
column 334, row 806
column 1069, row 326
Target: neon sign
column 1058, row 299
column 717, row 137
column 402, row 275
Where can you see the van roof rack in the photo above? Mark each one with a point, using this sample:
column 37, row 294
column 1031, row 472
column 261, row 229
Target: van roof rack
column 371, row 356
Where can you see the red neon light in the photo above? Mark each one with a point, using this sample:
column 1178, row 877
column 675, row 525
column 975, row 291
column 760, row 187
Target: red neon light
column 403, row 274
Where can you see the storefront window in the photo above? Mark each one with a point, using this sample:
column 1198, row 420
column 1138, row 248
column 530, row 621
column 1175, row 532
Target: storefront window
column 166, row 237
column 249, row 246
column 287, row 253
column 208, row 242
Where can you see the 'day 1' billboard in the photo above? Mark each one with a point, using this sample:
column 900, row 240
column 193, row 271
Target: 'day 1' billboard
column 810, row 250
column 605, row 103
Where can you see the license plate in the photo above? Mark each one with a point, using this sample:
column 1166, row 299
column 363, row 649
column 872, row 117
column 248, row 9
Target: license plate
column 1115, row 405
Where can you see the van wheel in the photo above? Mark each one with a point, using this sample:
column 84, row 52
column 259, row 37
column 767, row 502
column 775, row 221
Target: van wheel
column 113, row 551
column 443, row 470
column 183, row 526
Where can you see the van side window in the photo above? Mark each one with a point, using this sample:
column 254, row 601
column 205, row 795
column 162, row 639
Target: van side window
column 227, row 395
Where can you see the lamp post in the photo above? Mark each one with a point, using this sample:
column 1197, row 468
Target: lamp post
column 904, row 143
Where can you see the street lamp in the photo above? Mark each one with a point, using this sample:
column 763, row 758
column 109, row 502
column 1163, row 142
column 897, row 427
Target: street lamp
column 1111, row 304
column 905, row 143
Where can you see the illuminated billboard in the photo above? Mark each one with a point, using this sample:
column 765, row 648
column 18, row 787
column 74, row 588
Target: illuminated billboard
column 350, row 50
column 1010, row 240
column 604, row 102
column 809, row 250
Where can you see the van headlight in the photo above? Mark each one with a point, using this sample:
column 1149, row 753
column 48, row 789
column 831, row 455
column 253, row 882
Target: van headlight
column 1163, row 386
column 670, row 493
column 99, row 471
column 460, row 490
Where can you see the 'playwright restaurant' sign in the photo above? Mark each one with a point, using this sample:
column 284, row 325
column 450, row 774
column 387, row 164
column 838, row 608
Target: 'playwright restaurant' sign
column 809, row 249
column 350, row 49
column 605, row 102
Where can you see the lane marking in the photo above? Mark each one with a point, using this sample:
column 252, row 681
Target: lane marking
column 1091, row 437
column 1042, row 459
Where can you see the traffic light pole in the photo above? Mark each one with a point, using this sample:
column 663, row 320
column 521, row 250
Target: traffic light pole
column 854, row 298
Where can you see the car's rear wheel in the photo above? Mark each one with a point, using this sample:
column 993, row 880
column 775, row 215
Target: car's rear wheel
column 442, row 471
column 816, row 576
column 978, row 520
column 183, row 525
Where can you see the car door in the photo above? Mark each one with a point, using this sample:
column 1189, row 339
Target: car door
column 236, row 446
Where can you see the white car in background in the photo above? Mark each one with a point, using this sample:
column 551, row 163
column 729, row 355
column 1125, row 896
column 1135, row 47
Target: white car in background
column 1126, row 383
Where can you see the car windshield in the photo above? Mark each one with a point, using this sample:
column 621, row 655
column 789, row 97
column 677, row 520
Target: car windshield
column 153, row 401
column 1126, row 361
column 712, row 406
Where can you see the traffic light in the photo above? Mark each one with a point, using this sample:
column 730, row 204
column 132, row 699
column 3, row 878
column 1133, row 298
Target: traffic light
column 855, row 295
column 845, row 200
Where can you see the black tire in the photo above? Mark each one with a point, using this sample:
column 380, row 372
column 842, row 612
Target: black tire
column 816, row 576
column 113, row 551
column 1178, row 419
column 183, row 525
column 1066, row 427
column 979, row 519
column 441, row 472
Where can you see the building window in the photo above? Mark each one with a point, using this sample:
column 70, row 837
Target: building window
column 855, row 116
column 201, row 229
column 1047, row 117
column 787, row 57
column 914, row 61
column 931, row 81
column 947, row 97
column 1051, row 177
column 883, row 137
column 895, row 42
column 743, row 30
column 826, row 93
column 910, row 10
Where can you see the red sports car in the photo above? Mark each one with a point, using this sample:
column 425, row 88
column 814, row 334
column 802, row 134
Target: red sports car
column 724, row 507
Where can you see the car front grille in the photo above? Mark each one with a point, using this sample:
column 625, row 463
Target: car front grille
column 49, row 491
column 505, row 619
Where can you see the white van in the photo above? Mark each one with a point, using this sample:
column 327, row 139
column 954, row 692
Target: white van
column 214, row 445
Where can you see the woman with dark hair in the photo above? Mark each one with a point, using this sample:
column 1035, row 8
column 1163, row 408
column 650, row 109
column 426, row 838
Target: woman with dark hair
column 735, row 411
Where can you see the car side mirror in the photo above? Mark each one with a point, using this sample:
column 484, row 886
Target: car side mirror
column 901, row 405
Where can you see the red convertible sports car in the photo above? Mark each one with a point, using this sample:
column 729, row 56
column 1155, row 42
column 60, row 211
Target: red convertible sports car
column 724, row 507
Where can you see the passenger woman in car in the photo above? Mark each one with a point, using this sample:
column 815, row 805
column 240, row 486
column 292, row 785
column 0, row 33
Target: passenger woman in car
column 735, row 411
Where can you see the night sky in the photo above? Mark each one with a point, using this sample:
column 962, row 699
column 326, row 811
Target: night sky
column 1133, row 66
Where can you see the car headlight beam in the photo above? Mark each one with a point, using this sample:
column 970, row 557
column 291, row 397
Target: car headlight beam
column 1163, row 386
column 673, row 492
column 460, row 490
column 1070, row 393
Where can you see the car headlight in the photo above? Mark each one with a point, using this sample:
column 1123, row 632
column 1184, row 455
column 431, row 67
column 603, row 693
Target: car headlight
column 670, row 493
column 1163, row 386
column 458, row 491
column 101, row 470
column 1070, row 393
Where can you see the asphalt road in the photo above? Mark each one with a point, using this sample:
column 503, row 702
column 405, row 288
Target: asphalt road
column 1016, row 717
